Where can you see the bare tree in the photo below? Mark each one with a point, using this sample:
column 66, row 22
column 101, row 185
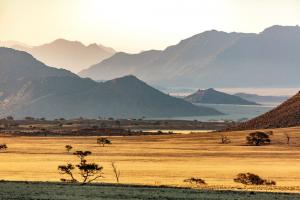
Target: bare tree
column 224, row 139
column 117, row 172
column 287, row 138
column 88, row 171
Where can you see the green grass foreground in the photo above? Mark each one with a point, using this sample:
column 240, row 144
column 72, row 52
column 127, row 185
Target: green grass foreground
column 48, row 190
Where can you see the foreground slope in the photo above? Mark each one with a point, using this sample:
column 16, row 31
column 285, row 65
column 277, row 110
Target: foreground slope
column 54, row 191
column 215, row 59
column 212, row 96
column 286, row 114
column 30, row 88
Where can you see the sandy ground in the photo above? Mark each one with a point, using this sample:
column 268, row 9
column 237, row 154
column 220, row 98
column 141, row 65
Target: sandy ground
column 161, row 160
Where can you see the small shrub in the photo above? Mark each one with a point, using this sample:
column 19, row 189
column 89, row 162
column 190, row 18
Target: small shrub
column 195, row 181
column 3, row 147
column 287, row 138
column 252, row 179
column 68, row 148
column 258, row 138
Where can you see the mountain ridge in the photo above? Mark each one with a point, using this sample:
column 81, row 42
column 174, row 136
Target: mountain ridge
column 216, row 59
column 71, row 55
column 54, row 93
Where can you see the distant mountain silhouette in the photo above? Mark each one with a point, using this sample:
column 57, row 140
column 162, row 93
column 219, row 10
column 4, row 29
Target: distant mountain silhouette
column 30, row 88
column 286, row 114
column 262, row 99
column 211, row 96
column 71, row 55
column 214, row 59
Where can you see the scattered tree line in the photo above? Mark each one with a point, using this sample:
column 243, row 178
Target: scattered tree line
column 244, row 178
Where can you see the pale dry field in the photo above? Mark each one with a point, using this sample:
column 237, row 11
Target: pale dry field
column 160, row 160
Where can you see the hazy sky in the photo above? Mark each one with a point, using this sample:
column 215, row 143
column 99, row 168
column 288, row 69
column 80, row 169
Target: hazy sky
column 135, row 25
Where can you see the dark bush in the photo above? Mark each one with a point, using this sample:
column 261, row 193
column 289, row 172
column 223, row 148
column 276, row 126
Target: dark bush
column 258, row 138
column 252, row 179
column 3, row 147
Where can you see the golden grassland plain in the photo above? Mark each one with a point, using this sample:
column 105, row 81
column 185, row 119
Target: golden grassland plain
column 161, row 160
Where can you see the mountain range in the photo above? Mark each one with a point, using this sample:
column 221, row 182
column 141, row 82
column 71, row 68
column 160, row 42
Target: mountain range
column 70, row 55
column 212, row 96
column 214, row 59
column 262, row 98
column 30, row 88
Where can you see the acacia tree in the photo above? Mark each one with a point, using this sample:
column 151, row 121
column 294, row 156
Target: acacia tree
column 258, row 138
column 103, row 141
column 88, row 171
column 68, row 148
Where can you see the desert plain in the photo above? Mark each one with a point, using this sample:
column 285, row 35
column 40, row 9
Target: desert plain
column 161, row 159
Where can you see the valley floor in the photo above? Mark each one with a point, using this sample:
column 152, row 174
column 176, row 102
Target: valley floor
column 160, row 160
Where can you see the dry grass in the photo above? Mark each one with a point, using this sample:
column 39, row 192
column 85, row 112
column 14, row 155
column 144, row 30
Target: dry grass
column 161, row 160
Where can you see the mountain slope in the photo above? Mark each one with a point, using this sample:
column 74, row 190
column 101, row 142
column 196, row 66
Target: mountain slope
column 265, row 59
column 216, row 59
column 175, row 63
column 71, row 55
column 212, row 96
column 53, row 93
column 285, row 115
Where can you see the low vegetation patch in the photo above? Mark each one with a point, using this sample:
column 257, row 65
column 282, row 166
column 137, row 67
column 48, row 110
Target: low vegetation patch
column 252, row 179
column 195, row 181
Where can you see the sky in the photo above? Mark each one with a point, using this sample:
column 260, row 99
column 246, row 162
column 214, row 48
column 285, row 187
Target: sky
column 136, row 25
